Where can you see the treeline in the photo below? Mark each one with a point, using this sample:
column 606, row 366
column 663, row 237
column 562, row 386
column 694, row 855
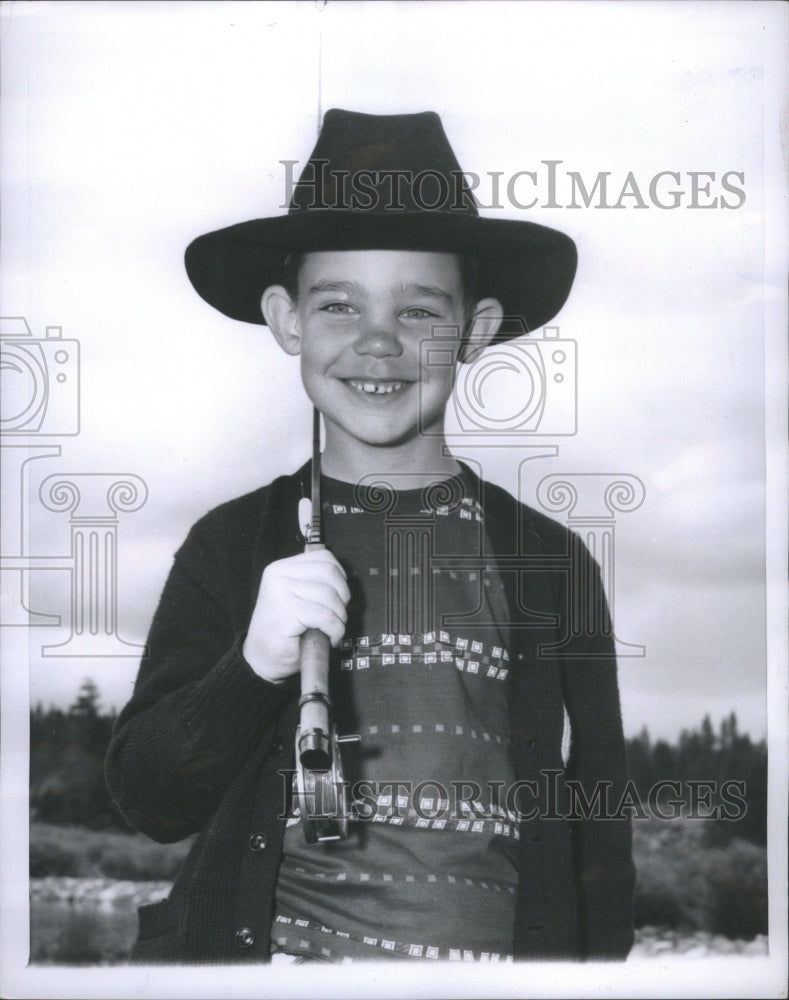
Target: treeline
column 67, row 750
column 726, row 759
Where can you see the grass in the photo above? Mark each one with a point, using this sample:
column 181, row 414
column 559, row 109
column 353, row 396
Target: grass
column 688, row 882
column 83, row 853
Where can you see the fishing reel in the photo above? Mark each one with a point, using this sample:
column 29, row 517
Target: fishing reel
column 318, row 783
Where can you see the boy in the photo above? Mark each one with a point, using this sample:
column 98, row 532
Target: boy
column 446, row 603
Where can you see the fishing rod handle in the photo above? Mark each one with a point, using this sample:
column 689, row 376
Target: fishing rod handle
column 315, row 742
column 314, row 745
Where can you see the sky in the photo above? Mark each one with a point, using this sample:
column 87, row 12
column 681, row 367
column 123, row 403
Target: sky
column 129, row 129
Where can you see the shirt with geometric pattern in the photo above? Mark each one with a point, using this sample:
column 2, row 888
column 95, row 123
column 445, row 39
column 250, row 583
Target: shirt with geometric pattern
column 429, row 868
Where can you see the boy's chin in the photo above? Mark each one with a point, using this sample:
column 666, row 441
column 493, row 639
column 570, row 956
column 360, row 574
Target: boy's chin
column 378, row 434
column 384, row 439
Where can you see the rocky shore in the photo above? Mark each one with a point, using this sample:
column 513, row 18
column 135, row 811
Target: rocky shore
column 660, row 942
column 98, row 892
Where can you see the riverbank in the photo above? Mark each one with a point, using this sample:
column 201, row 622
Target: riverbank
column 93, row 921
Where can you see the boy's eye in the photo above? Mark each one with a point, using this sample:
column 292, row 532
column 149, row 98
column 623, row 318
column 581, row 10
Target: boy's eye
column 417, row 312
column 338, row 307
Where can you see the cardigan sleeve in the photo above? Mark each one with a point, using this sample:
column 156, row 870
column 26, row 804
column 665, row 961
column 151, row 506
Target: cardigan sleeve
column 198, row 710
column 605, row 874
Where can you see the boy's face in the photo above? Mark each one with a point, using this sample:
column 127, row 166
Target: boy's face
column 358, row 323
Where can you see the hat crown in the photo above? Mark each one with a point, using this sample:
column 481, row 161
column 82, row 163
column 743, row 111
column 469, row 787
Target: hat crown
column 382, row 164
column 386, row 182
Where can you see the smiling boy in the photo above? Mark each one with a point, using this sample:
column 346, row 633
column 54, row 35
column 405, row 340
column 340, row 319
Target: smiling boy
column 446, row 603
column 359, row 321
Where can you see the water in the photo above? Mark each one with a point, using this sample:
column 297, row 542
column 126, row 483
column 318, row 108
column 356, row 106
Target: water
column 63, row 933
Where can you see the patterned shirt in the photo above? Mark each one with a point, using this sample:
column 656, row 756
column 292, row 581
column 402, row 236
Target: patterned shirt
column 429, row 870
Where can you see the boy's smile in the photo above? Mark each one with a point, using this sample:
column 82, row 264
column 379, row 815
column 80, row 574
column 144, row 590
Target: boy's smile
column 358, row 324
column 377, row 388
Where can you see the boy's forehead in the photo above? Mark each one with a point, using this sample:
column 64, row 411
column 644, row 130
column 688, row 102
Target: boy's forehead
column 382, row 266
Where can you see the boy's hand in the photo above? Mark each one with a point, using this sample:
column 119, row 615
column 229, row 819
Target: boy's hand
column 305, row 591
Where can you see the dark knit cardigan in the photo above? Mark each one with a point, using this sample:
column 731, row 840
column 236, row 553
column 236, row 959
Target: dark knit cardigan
column 200, row 745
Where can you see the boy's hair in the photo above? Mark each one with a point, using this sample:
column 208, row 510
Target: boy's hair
column 469, row 279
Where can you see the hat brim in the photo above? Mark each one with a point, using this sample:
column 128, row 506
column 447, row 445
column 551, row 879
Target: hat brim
column 529, row 268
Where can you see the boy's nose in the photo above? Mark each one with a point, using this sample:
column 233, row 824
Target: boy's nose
column 380, row 341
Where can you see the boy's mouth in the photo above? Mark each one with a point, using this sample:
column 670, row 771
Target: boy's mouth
column 376, row 387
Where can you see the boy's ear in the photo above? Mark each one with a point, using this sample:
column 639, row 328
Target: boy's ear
column 484, row 325
column 279, row 311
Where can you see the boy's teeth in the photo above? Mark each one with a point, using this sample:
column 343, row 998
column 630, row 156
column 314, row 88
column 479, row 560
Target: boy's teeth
column 378, row 388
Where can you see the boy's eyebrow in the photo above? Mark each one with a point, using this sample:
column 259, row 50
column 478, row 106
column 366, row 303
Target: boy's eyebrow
column 425, row 291
column 335, row 286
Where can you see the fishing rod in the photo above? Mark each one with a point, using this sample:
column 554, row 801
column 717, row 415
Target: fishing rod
column 319, row 783
column 320, row 788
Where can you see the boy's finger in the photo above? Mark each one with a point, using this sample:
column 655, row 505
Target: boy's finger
column 325, row 573
column 316, row 594
column 320, row 617
column 316, row 557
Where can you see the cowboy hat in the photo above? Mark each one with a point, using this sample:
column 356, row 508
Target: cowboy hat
column 386, row 182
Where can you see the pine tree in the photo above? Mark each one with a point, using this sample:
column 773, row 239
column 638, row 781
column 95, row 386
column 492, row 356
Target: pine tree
column 88, row 700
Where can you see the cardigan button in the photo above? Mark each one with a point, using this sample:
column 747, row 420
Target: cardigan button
column 244, row 937
column 258, row 842
column 277, row 747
